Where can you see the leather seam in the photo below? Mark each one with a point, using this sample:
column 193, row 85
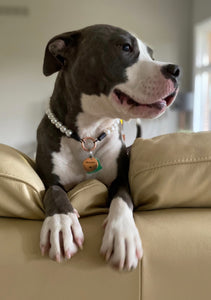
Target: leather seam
column 84, row 188
column 10, row 177
column 172, row 163
column 141, row 278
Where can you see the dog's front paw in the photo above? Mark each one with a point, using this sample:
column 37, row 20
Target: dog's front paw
column 61, row 235
column 121, row 244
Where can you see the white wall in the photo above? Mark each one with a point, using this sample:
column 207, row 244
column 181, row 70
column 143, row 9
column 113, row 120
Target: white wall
column 164, row 24
column 201, row 10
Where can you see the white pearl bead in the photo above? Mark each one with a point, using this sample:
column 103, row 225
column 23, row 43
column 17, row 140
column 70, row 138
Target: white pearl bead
column 68, row 133
column 58, row 125
column 63, row 129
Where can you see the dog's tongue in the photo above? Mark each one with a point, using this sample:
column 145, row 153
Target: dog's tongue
column 160, row 104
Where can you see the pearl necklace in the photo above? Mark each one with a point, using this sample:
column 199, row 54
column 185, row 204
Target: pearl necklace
column 68, row 132
column 91, row 164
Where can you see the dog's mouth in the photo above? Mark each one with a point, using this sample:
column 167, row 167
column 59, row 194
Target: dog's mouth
column 154, row 108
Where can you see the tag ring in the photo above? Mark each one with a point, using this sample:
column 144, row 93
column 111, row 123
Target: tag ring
column 88, row 139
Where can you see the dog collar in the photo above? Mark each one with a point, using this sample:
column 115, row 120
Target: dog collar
column 70, row 134
column 91, row 164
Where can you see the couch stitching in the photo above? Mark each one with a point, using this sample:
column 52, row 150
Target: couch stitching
column 93, row 184
column 8, row 176
column 167, row 135
column 173, row 163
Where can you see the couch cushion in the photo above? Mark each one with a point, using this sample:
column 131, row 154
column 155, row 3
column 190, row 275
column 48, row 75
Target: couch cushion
column 89, row 198
column 22, row 191
column 172, row 170
column 177, row 253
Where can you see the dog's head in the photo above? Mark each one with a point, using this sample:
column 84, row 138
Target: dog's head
column 113, row 72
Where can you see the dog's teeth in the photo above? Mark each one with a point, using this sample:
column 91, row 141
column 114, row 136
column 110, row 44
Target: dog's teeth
column 125, row 98
column 122, row 98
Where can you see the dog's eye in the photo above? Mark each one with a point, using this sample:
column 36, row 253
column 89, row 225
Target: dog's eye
column 126, row 47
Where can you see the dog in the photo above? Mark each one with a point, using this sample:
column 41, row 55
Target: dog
column 104, row 74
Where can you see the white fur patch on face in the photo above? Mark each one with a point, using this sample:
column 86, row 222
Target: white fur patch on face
column 146, row 84
column 121, row 243
column 145, row 89
column 143, row 52
column 61, row 235
column 143, row 95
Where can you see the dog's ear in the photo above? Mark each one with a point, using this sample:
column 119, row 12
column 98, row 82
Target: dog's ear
column 56, row 48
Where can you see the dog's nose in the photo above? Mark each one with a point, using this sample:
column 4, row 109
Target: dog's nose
column 170, row 71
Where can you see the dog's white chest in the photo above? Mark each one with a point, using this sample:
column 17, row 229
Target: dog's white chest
column 68, row 162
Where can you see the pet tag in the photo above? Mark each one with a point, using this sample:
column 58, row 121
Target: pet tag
column 99, row 167
column 90, row 164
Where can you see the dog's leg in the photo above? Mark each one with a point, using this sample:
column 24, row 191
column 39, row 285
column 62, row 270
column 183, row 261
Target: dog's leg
column 61, row 233
column 121, row 244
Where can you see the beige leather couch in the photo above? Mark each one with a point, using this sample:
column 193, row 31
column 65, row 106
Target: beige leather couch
column 170, row 178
